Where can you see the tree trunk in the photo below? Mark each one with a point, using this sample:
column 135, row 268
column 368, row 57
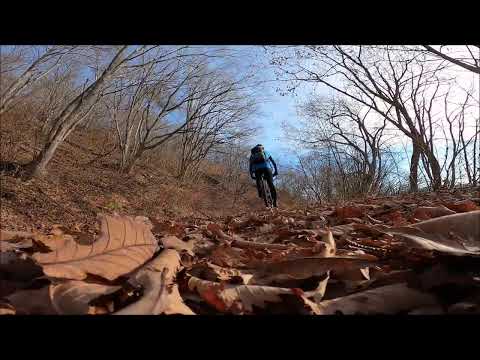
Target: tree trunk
column 126, row 166
column 435, row 170
column 70, row 117
column 37, row 167
column 415, row 159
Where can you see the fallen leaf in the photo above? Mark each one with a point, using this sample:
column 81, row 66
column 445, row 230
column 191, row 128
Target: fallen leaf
column 123, row 245
column 305, row 268
column 73, row 297
column 257, row 245
column 348, row 212
column 238, row 299
column 54, row 241
column 13, row 240
column 212, row 272
column 396, row 218
column 33, row 302
column 6, row 235
column 428, row 310
column 160, row 296
column 391, row 299
column 464, row 308
column 6, row 308
column 172, row 242
column 428, row 212
column 266, row 228
column 16, row 268
column 318, row 293
column 168, row 228
column 353, row 274
column 455, row 234
column 462, row 206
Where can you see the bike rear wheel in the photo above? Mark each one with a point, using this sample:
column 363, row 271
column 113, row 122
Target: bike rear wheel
column 266, row 194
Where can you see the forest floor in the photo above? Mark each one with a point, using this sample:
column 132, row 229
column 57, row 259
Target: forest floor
column 413, row 254
column 88, row 240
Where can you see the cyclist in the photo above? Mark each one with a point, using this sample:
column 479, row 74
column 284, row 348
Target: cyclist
column 260, row 161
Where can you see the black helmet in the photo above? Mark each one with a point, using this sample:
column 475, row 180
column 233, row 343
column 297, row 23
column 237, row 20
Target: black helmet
column 256, row 148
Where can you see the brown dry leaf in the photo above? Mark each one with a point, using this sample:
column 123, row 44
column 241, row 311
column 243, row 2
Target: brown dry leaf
column 33, row 302
column 306, row 267
column 212, row 272
column 73, row 297
column 462, row 206
column 6, row 246
column 173, row 242
column 266, row 228
column 429, row 212
column 428, row 310
column 217, row 231
column 257, row 245
column 236, row 299
column 6, row 235
column 168, row 228
column 391, row 299
column 54, row 241
column 369, row 230
column 396, row 218
column 349, row 212
column 123, row 245
column 18, row 268
column 318, row 293
column 353, row 274
column 227, row 256
column 464, row 308
column 344, row 229
column 455, row 234
column 6, row 308
column 13, row 240
column 160, row 296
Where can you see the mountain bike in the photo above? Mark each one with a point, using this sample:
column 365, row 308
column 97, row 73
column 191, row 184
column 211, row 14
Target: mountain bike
column 265, row 192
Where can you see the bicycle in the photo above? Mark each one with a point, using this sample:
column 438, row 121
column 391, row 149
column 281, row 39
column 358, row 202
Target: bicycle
column 265, row 192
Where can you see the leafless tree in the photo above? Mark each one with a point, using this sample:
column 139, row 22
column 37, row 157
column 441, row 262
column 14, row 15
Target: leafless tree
column 78, row 109
column 338, row 122
column 469, row 62
column 460, row 148
column 217, row 116
column 233, row 169
column 148, row 114
column 45, row 59
column 393, row 83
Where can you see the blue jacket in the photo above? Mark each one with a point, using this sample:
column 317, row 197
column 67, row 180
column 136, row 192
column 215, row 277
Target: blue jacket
column 267, row 164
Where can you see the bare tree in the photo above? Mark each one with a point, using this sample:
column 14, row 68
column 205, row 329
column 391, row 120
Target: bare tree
column 45, row 60
column 233, row 160
column 78, row 109
column 148, row 114
column 216, row 117
column 471, row 62
column 339, row 122
column 393, row 83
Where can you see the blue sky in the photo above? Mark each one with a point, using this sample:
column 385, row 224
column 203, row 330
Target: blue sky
column 278, row 109
column 274, row 109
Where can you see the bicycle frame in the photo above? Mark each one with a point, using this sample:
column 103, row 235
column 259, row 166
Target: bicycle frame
column 265, row 192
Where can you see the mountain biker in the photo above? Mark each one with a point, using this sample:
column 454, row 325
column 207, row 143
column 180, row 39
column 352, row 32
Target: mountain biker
column 260, row 161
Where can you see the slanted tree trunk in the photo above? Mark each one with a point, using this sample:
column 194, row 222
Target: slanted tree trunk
column 70, row 117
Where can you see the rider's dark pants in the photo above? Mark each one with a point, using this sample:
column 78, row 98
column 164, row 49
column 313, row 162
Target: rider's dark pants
column 267, row 173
